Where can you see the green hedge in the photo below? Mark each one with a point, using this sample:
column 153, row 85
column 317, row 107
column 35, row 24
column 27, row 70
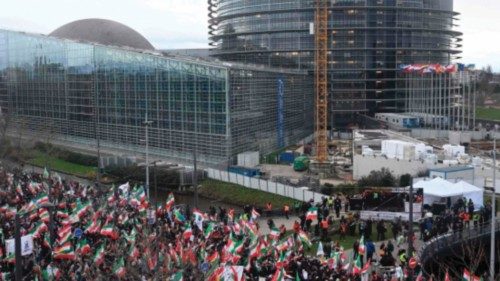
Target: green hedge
column 67, row 155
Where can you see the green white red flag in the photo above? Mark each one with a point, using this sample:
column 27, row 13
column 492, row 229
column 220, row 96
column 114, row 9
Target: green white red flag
column 312, row 213
column 98, row 258
column 119, row 268
column 64, row 252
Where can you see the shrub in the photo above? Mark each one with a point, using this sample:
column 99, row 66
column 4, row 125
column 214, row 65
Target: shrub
column 405, row 180
column 381, row 178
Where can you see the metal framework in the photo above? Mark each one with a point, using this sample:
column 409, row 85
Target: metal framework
column 321, row 79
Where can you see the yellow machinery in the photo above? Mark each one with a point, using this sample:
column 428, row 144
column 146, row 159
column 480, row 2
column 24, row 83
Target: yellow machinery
column 321, row 80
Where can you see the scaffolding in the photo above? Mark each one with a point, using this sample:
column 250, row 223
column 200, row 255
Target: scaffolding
column 442, row 100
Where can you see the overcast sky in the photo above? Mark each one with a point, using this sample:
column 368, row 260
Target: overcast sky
column 169, row 24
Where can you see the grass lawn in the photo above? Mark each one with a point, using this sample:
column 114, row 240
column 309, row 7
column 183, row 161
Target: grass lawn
column 41, row 159
column 488, row 113
column 239, row 195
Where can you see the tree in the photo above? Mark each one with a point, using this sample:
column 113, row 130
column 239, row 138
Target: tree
column 381, row 178
column 472, row 255
column 405, row 180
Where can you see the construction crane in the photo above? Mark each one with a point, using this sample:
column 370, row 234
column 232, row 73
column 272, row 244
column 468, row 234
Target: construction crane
column 321, row 79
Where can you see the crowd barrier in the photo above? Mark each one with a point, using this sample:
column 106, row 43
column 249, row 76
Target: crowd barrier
column 265, row 185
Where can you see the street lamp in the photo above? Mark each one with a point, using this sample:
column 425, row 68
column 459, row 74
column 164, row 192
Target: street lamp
column 493, row 209
column 17, row 236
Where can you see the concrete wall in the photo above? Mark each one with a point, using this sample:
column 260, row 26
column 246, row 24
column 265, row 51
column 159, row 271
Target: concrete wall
column 433, row 134
column 364, row 165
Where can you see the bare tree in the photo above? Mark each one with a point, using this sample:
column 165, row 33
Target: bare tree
column 470, row 254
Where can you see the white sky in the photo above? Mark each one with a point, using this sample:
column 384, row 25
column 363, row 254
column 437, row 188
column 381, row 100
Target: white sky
column 170, row 24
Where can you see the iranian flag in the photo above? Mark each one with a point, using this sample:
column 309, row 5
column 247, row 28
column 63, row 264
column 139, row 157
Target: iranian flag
column 356, row 269
column 4, row 208
column 93, row 227
column 119, row 268
column 256, row 251
column 81, row 209
column 46, row 241
column 312, row 213
column 170, row 202
column 108, row 230
column 178, row 276
column 62, row 214
column 361, row 247
column 178, row 216
column 302, row 236
column 99, row 255
column 275, row 233
column 466, row 276
column 39, row 228
column 279, row 275
column 131, row 237
column 84, row 247
column 214, row 257
column 133, row 252
column 64, row 252
column 255, row 214
column 188, row 232
column 230, row 214
column 4, row 276
column 41, row 199
column 63, row 231
column 44, row 215
column 199, row 215
column 64, row 235
column 51, row 273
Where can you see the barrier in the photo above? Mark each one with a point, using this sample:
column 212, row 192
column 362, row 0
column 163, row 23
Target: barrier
column 265, row 185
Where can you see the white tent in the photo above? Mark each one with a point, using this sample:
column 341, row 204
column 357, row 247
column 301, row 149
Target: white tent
column 439, row 189
column 473, row 192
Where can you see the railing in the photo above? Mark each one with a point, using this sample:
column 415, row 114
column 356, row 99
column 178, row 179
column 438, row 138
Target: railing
column 266, row 186
column 445, row 241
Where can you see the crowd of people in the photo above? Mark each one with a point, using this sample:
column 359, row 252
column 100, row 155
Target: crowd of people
column 114, row 233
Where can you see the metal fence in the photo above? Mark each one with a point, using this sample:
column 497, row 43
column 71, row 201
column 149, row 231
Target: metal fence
column 266, row 186
column 448, row 240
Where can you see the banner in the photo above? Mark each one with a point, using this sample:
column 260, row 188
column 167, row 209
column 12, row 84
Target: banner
column 388, row 216
column 26, row 245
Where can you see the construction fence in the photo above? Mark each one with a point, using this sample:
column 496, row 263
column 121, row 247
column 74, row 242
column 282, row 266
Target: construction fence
column 296, row 193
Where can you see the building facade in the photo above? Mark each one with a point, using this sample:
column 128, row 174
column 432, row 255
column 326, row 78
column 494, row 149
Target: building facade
column 79, row 92
column 368, row 41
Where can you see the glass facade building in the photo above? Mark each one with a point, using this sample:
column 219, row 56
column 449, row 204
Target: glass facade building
column 368, row 41
column 80, row 91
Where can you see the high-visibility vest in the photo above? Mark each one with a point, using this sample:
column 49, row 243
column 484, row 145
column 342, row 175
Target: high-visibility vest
column 324, row 224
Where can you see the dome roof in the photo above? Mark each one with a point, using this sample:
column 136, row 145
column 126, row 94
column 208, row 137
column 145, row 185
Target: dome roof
column 105, row 32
